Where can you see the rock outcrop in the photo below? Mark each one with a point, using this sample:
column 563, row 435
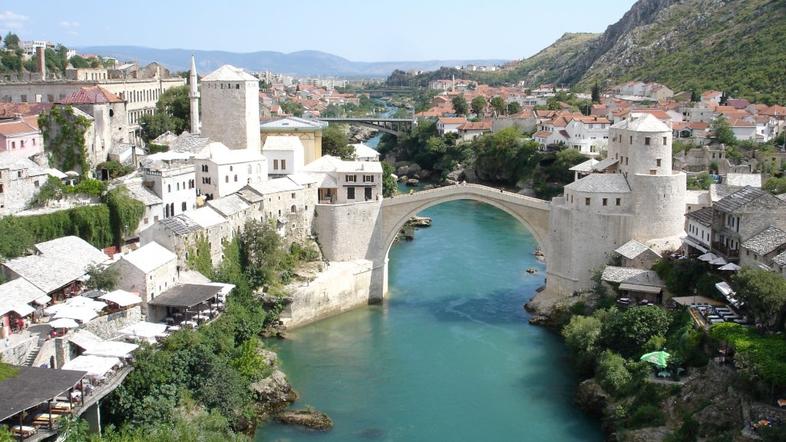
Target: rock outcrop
column 311, row 419
column 273, row 393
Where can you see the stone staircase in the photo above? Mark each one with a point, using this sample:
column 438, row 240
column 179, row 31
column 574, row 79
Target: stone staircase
column 32, row 354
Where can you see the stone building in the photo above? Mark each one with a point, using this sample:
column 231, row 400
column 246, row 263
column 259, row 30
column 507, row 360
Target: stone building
column 148, row 271
column 20, row 179
column 287, row 202
column 221, row 171
column 284, row 154
column 761, row 249
column 109, row 121
column 344, row 182
column 230, row 108
column 642, row 200
column 309, row 132
column 20, row 137
column 171, row 177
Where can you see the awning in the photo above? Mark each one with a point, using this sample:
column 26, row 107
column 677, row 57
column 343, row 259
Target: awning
column 111, row 349
column 22, row 309
column 93, row 365
column 707, row 257
column 689, row 241
column 82, row 314
column 640, row 288
column 84, row 339
column 688, row 300
column 724, row 288
column 42, row 300
column 719, row 262
column 144, row 330
column 731, row 267
column 122, row 298
column 63, row 323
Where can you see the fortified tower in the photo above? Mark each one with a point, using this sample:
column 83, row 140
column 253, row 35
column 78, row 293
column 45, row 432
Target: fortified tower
column 193, row 96
column 230, row 108
column 634, row 195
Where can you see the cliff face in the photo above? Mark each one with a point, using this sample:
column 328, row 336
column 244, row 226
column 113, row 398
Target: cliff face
column 734, row 45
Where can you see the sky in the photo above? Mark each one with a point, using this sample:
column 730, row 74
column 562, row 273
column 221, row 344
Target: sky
column 370, row 30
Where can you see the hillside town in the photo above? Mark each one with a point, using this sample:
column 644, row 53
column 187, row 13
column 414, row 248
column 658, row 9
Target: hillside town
column 131, row 196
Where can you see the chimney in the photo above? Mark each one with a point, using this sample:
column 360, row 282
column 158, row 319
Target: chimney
column 41, row 67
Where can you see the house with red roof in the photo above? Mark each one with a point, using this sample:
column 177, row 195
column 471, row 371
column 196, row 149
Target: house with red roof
column 20, row 137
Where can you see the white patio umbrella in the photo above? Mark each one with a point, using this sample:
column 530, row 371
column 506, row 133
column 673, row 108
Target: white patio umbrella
column 63, row 323
column 719, row 262
column 708, row 257
column 730, row 267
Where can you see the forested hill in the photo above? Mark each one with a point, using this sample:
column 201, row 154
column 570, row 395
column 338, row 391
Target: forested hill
column 738, row 46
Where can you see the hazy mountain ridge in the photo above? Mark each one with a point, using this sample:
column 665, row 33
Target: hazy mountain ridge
column 296, row 63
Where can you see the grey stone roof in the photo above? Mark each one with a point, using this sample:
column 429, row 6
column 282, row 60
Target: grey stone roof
column 740, row 198
column 702, row 216
column 780, row 259
column 141, row 193
column 228, row 205
column 189, row 143
column 601, row 183
column 720, row 191
column 626, row 274
column 293, row 124
column 766, row 241
column 605, row 164
column 632, row 249
column 180, row 225
column 586, row 166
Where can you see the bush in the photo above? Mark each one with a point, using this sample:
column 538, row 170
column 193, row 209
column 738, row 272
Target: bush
column 646, row 416
column 612, row 373
column 758, row 357
column 626, row 332
column 114, row 169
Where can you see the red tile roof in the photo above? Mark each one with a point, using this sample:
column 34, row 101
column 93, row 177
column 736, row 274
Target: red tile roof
column 452, row 120
column 476, row 125
column 22, row 126
column 92, row 95
column 9, row 110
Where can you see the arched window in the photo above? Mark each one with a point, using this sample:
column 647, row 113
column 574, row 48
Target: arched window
column 293, row 208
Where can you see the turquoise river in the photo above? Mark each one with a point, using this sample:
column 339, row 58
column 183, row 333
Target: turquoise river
column 449, row 356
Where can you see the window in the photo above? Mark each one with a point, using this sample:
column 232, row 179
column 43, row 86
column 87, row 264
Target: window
column 293, row 209
column 368, row 178
column 368, row 193
column 22, row 144
column 13, row 145
column 665, row 140
column 169, row 188
column 658, row 162
column 631, row 139
column 351, row 178
column 619, row 201
column 275, row 164
column 226, row 179
column 1, row 188
column 586, row 201
column 350, row 193
column 647, row 141
column 231, row 168
column 283, row 164
column 36, row 184
column 183, row 206
column 235, row 177
column 177, row 186
column 626, row 160
column 605, row 201
column 293, row 195
column 204, row 168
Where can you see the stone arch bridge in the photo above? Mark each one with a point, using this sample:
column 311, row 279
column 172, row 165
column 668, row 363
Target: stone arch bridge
column 533, row 213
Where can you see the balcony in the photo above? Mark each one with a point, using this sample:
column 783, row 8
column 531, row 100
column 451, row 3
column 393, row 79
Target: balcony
column 725, row 252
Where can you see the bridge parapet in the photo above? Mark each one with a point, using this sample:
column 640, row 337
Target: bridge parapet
column 477, row 189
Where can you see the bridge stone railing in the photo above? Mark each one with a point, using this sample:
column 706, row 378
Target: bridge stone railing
column 477, row 189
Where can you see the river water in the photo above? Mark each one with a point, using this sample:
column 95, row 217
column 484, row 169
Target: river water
column 449, row 356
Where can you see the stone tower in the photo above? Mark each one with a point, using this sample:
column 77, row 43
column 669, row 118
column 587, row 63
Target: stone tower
column 230, row 108
column 193, row 96
column 636, row 196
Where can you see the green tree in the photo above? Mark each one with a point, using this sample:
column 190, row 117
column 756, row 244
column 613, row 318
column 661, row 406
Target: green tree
column 15, row 238
column 460, row 106
column 514, row 108
column 389, row 187
column 124, row 213
column 775, row 186
column 11, row 41
column 612, row 373
column 102, row 278
column 722, row 132
column 336, row 143
column 292, row 108
column 702, row 181
column 695, row 96
column 261, row 253
column 499, row 105
column 173, row 113
column 478, row 105
column 581, row 335
column 626, row 332
column 764, row 294
column 596, row 93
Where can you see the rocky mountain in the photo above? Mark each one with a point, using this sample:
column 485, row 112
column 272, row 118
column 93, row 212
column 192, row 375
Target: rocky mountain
column 307, row 63
column 734, row 45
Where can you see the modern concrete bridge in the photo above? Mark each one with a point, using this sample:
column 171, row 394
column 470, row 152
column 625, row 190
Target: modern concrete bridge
column 533, row 213
column 393, row 126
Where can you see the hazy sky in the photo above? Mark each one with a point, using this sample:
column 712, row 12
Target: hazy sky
column 360, row 30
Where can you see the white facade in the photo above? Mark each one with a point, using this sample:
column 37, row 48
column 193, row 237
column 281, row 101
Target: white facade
column 147, row 271
column 230, row 108
column 344, row 182
column 20, row 179
column 450, row 125
column 221, row 171
column 365, row 153
column 590, row 135
column 284, row 155
column 172, row 181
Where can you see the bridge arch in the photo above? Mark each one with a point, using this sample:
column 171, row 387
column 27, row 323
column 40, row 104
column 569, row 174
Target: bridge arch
column 531, row 212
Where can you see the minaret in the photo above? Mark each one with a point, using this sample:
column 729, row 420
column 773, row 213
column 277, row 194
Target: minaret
column 193, row 95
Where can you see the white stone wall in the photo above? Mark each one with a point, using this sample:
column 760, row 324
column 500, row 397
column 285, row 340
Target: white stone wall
column 659, row 208
column 18, row 191
column 174, row 186
column 230, row 113
column 284, row 161
column 150, row 285
column 341, row 287
column 106, row 326
column 345, row 232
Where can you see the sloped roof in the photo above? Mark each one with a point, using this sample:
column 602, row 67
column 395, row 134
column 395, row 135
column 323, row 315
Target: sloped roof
column 283, row 142
column 143, row 194
column 364, row 151
column 766, row 241
column 221, row 154
column 228, row 72
column 187, row 142
column 150, row 257
column 620, row 274
column 604, row 164
column 228, row 205
column 780, row 259
column 632, row 249
column 601, row 183
column 18, row 127
column 741, row 198
column 92, row 95
column 205, row 217
column 586, row 166
column 702, row 216
column 643, row 123
column 293, row 124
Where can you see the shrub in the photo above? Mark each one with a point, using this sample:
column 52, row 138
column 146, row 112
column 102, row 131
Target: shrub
column 627, row 332
column 612, row 373
column 646, row 416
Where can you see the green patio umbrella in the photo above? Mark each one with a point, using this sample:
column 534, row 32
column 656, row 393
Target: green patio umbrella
column 658, row 358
